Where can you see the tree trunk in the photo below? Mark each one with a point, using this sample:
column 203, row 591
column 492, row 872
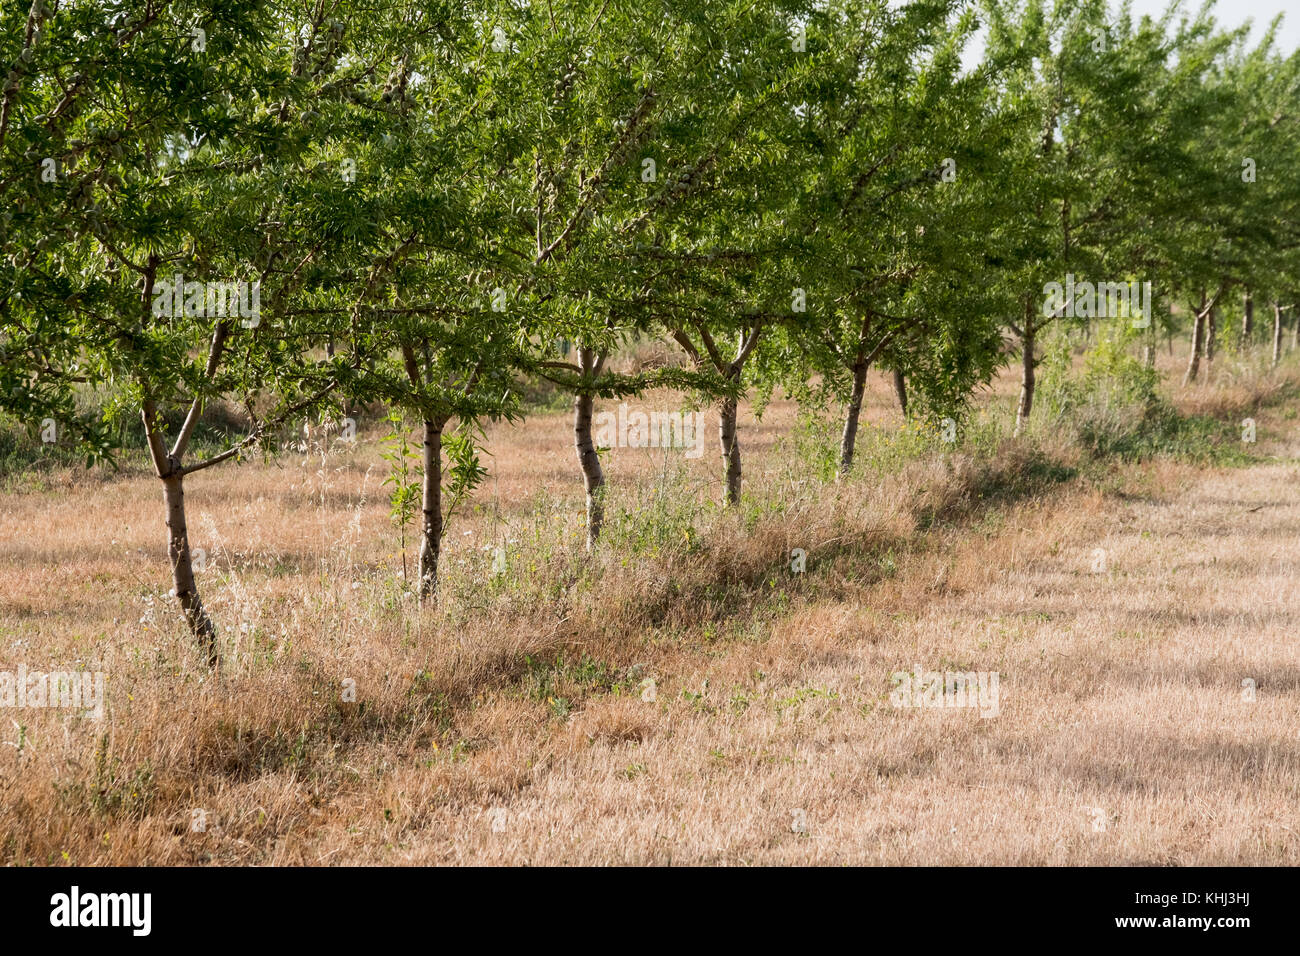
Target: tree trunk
column 900, row 389
column 848, row 440
column 730, row 450
column 178, row 553
column 431, row 512
column 1211, row 337
column 1248, row 319
column 1198, row 344
column 1277, row 332
column 1151, row 342
column 1295, row 326
column 593, row 478
column 732, row 372
column 1027, row 371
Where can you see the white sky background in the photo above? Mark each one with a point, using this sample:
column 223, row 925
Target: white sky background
column 1233, row 13
column 1228, row 13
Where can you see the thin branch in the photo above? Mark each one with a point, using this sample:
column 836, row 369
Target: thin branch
column 196, row 407
column 748, row 346
column 259, row 429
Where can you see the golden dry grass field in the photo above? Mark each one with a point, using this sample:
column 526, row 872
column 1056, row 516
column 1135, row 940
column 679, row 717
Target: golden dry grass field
column 1122, row 604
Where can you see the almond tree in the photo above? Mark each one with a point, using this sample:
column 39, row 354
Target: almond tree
column 446, row 327
column 1263, row 213
column 733, row 265
column 614, row 117
column 898, row 192
column 1053, row 54
column 1104, row 105
column 201, row 237
column 648, row 131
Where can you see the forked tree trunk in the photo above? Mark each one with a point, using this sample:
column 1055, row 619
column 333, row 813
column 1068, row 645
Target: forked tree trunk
column 1198, row 344
column 731, row 371
column 593, row 477
column 178, row 554
column 431, row 511
column 1277, row 332
column 849, row 438
column 167, row 466
column 900, row 389
column 1027, row 379
column 730, row 443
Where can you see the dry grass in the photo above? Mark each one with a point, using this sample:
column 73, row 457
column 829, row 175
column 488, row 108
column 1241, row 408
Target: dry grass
column 509, row 725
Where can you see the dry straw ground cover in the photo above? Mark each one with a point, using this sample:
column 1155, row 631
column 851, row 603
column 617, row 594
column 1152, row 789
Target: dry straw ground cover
column 681, row 696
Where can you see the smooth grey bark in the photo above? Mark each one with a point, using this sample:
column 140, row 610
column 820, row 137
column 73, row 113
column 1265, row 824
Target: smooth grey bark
column 431, row 511
column 1277, row 332
column 1211, row 336
column 849, row 438
column 730, row 443
column 593, row 476
column 178, row 554
column 167, row 466
column 1198, row 344
column 1028, row 376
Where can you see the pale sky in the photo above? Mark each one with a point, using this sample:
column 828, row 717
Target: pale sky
column 1233, row 13
column 1228, row 13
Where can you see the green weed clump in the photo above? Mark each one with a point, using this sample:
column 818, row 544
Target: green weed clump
column 1113, row 408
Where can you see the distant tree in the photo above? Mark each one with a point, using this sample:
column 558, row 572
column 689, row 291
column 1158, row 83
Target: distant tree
column 898, row 194
column 658, row 153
